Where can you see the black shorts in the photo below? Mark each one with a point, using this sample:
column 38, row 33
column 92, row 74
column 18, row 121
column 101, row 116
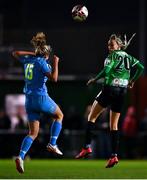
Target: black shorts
column 113, row 97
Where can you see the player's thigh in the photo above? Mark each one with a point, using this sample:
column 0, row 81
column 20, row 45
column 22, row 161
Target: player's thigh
column 96, row 110
column 32, row 114
column 49, row 106
column 118, row 99
column 103, row 97
column 32, row 108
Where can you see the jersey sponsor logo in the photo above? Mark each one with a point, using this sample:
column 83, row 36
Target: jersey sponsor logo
column 120, row 82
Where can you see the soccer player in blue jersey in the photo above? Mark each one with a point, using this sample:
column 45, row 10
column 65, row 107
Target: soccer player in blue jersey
column 37, row 71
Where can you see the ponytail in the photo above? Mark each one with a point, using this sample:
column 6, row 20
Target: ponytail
column 39, row 43
column 122, row 42
column 39, row 40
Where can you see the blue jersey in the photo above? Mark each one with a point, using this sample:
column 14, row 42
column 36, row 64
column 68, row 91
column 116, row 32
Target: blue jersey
column 35, row 68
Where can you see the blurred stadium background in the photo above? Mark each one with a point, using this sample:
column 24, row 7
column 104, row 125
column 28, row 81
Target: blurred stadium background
column 82, row 48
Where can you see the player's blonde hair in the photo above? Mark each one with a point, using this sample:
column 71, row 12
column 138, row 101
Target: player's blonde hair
column 39, row 43
column 122, row 42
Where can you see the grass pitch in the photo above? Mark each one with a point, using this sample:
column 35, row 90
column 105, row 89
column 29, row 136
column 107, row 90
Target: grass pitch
column 74, row 169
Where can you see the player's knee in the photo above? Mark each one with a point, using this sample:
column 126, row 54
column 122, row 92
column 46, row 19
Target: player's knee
column 33, row 135
column 91, row 118
column 113, row 127
column 60, row 116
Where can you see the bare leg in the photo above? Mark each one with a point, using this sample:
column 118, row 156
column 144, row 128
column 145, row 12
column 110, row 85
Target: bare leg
column 55, row 131
column 96, row 110
column 114, row 118
column 58, row 115
column 28, row 140
column 33, row 129
column 26, row 144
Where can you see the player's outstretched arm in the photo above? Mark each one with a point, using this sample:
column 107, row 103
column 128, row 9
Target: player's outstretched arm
column 90, row 81
column 102, row 73
column 17, row 54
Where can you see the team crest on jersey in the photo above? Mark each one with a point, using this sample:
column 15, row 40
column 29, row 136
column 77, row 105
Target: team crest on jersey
column 107, row 61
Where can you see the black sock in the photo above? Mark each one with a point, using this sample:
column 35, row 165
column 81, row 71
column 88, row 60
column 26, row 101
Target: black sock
column 114, row 141
column 89, row 133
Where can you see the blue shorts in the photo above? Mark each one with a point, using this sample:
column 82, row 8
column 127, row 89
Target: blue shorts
column 37, row 104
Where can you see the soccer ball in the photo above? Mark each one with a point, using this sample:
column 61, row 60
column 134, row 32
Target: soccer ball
column 79, row 13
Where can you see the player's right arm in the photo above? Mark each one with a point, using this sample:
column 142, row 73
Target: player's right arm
column 18, row 54
column 53, row 75
column 106, row 70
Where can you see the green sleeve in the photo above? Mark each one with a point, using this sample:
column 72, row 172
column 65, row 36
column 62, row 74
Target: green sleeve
column 138, row 72
column 105, row 71
column 100, row 75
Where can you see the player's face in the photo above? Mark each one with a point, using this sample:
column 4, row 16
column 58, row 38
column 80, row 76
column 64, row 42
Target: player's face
column 113, row 45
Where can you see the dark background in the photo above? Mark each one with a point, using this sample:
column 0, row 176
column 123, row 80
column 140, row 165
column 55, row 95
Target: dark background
column 78, row 44
column 82, row 48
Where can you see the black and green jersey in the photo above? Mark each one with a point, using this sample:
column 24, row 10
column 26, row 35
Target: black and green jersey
column 117, row 67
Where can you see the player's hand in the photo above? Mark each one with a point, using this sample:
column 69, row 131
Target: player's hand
column 56, row 58
column 92, row 80
column 131, row 84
